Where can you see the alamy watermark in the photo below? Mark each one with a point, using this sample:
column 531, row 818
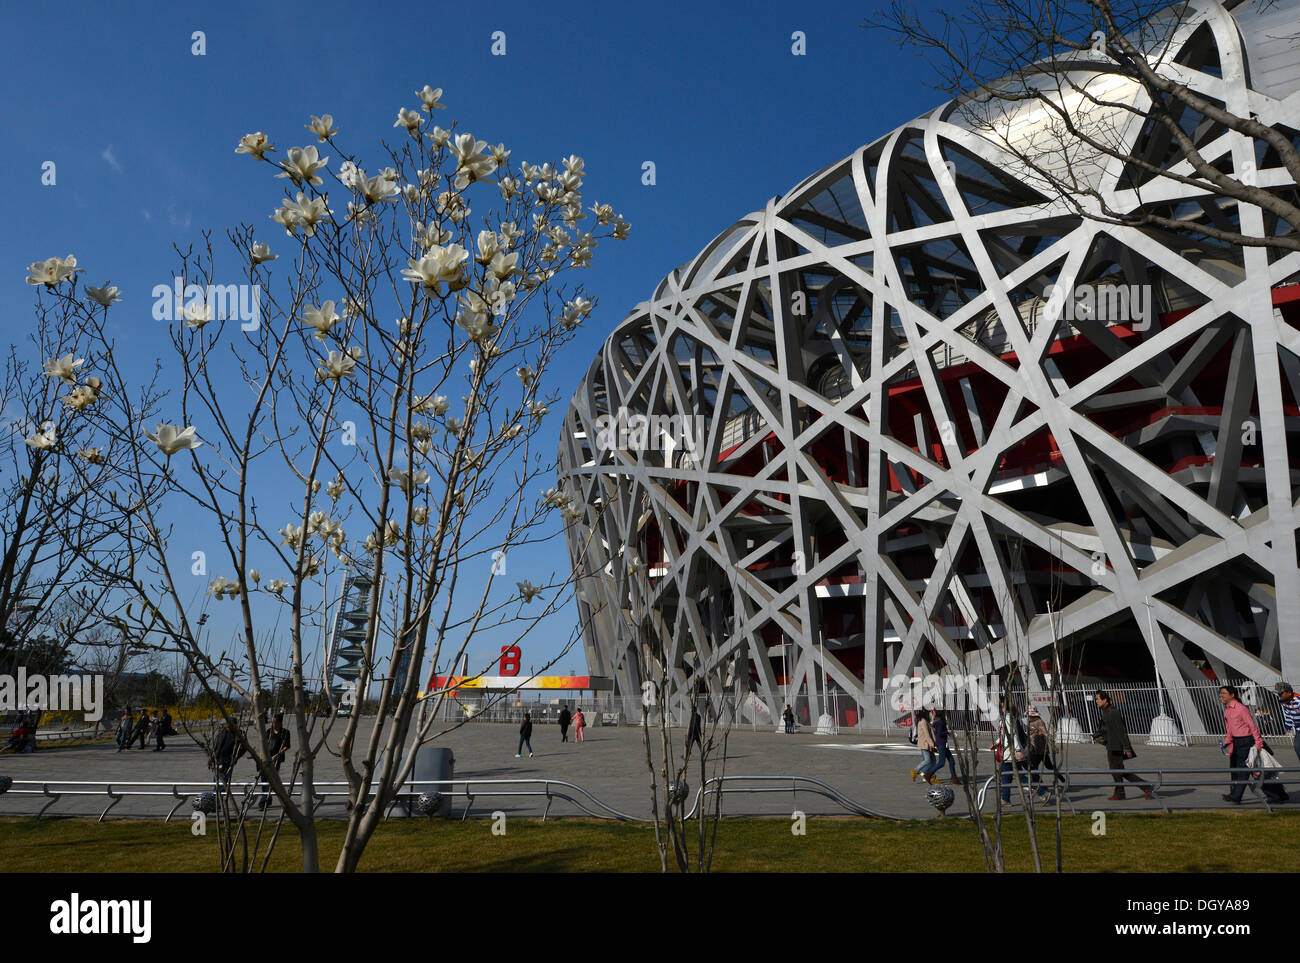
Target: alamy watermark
column 53, row 693
column 196, row 304
column 636, row 432
column 947, row 691
column 1109, row 303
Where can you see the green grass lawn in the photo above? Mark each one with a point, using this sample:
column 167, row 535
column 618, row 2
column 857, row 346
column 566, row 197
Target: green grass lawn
column 1183, row 843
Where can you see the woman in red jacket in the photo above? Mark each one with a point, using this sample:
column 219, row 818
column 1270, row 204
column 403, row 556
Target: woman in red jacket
column 1242, row 734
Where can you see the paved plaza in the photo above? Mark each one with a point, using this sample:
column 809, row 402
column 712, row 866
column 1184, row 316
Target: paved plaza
column 869, row 769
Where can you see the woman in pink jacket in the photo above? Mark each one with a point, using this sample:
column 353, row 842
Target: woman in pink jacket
column 1242, row 735
column 580, row 723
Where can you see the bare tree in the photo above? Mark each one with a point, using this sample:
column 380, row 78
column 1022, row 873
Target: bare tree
column 1100, row 104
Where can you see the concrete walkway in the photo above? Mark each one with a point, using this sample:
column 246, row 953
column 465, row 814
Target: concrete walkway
column 868, row 769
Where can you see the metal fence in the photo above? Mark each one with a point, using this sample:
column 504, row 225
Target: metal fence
column 1195, row 710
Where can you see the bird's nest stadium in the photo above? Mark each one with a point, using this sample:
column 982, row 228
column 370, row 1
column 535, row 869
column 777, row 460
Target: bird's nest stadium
column 861, row 433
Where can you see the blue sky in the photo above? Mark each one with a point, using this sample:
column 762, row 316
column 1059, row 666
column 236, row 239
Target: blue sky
column 143, row 131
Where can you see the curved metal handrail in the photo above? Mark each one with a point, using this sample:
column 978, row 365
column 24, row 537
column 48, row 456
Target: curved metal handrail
column 817, row 788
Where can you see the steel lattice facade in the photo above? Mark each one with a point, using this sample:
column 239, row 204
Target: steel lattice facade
column 912, row 456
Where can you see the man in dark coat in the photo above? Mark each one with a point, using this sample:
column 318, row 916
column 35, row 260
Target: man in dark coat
column 564, row 719
column 227, row 753
column 1114, row 735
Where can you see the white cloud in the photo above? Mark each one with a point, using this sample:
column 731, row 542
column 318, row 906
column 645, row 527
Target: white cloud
column 110, row 159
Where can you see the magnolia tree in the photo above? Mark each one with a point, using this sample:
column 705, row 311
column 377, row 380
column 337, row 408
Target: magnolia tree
column 49, row 613
column 365, row 402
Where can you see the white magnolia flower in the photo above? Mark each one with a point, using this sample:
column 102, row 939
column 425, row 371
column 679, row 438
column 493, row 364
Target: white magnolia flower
column 350, row 173
column 171, row 439
column 80, row 398
column 45, row 439
column 65, row 368
column 292, row 535
column 430, row 96
column 526, row 375
column 392, row 533
column 303, row 213
column 407, row 480
column 574, row 165
column 621, row 227
column 510, row 233
column 424, row 446
column 556, row 498
column 276, row 585
column 254, row 576
column 435, row 405
column 102, row 296
column 509, row 187
column 323, row 126
column 336, row 488
column 302, row 165
column 499, row 294
column 420, row 515
column 454, row 426
column 376, row 189
column 440, row 265
column 538, row 411
column 488, row 245
column 93, row 455
column 528, row 591
column 257, row 144
column 310, row 566
column 440, row 137
column 217, row 587
column 322, row 319
column 52, row 271
column 503, row 265
column 196, row 314
column 261, row 251
column 371, row 543
column 499, row 154
column 476, row 324
column 410, row 119
column 513, row 431
column 472, row 164
column 336, row 367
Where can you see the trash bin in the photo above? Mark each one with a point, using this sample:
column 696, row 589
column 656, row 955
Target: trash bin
column 430, row 763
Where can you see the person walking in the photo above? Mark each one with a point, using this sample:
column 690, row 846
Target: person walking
column 924, row 742
column 1114, row 736
column 525, row 735
column 788, row 715
column 141, row 731
column 579, row 724
column 694, row 729
column 942, row 752
column 1242, row 736
column 124, row 726
column 1010, row 749
column 227, row 753
column 164, row 729
column 1040, row 752
column 564, row 719
column 277, row 747
column 1290, row 702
